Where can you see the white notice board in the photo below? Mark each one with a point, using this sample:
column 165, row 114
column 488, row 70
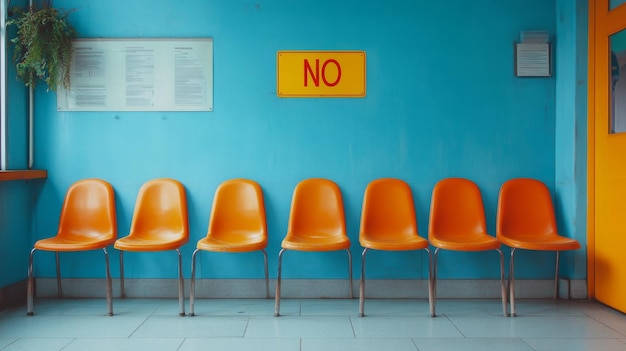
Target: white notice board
column 140, row 75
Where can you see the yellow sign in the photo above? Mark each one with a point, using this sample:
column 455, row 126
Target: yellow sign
column 320, row 74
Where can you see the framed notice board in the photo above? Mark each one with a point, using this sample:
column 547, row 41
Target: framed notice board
column 174, row 74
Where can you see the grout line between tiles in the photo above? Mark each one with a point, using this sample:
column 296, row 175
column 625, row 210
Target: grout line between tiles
column 144, row 322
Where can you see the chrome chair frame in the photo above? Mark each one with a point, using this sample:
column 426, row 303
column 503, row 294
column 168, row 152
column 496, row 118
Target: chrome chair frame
column 511, row 280
column 279, row 278
column 31, row 282
column 192, row 289
column 502, row 284
column 181, row 282
column 431, row 292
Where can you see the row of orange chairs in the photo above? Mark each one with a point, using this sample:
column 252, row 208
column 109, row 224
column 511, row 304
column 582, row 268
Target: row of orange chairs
column 525, row 220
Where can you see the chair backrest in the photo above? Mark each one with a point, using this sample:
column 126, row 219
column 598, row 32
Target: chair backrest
column 161, row 212
column 89, row 211
column 456, row 209
column 317, row 208
column 525, row 209
column 238, row 208
column 388, row 210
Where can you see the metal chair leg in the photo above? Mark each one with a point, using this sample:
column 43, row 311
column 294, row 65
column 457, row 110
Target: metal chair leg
column 192, row 288
column 181, row 285
column 433, row 312
column 31, row 285
column 362, row 285
column 122, row 290
column 109, row 283
column 58, row 265
column 556, row 277
column 512, row 282
column 431, row 293
column 278, row 280
column 267, row 275
column 502, row 285
column 350, row 272
column 31, row 282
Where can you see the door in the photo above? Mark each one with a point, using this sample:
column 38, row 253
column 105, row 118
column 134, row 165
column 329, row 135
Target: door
column 607, row 152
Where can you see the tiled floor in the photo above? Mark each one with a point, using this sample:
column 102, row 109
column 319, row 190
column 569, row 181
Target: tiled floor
column 142, row 324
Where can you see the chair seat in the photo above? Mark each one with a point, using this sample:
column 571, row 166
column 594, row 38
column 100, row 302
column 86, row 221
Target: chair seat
column 66, row 244
column 548, row 243
column 233, row 242
column 145, row 245
column 315, row 242
column 467, row 242
column 393, row 244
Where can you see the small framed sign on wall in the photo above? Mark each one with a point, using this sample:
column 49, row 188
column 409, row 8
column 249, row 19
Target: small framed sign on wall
column 140, row 75
column 532, row 60
column 318, row 74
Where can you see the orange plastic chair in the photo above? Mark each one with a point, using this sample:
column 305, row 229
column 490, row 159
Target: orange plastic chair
column 457, row 222
column 160, row 223
column 87, row 222
column 237, row 224
column 316, row 223
column 388, row 223
column 526, row 220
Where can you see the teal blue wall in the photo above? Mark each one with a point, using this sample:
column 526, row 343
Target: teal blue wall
column 571, row 126
column 442, row 101
column 618, row 41
column 615, row 3
column 17, row 198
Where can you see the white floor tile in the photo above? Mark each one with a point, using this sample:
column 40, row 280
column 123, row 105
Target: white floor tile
column 300, row 327
column 471, row 344
column 125, row 344
column 329, row 307
column 533, row 327
column 576, row 344
column 6, row 341
column 130, row 306
column 404, row 327
column 471, row 307
column 242, row 344
column 60, row 326
column 323, row 344
column 98, row 307
column 399, row 307
column 192, row 327
column 39, row 344
column 609, row 317
column 550, row 307
column 49, row 306
column 288, row 307
column 244, row 307
column 312, row 324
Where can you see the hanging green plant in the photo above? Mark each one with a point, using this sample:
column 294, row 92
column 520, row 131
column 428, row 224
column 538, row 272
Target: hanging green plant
column 43, row 45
